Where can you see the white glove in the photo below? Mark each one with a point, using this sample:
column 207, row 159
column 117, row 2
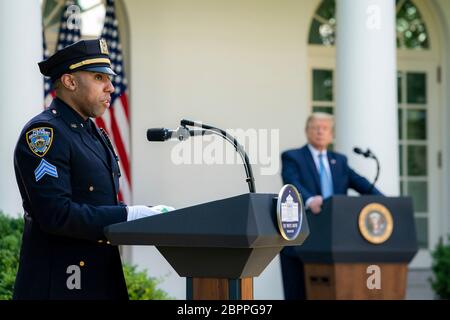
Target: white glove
column 138, row 212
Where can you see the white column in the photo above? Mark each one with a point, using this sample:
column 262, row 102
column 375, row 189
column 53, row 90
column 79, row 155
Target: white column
column 21, row 86
column 366, row 87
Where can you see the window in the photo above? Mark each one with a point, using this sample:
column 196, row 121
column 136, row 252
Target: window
column 413, row 145
column 322, row 93
column 411, row 30
column 90, row 16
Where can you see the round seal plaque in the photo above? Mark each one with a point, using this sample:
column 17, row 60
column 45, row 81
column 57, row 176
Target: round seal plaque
column 290, row 211
column 375, row 223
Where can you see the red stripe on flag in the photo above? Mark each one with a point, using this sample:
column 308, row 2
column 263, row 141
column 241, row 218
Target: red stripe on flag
column 100, row 123
column 124, row 100
column 119, row 145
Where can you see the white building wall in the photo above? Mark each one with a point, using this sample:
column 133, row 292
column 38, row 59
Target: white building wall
column 232, row 64
column 21, row 87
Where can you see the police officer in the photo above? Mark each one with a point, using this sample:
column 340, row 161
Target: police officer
column 68, row 177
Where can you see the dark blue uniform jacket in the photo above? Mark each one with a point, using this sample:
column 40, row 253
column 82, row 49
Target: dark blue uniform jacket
column 69, row 180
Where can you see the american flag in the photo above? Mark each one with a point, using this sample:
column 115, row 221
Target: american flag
column 69, row 32
column 116, row 120
column 48, row 92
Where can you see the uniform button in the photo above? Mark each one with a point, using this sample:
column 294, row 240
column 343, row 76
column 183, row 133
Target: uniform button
column 73, row 125
column 81, row 263
column 81, row 125
column 107, row 242
column 54, row 111
column 91, row 188
column 113, row 174
column 100, row 241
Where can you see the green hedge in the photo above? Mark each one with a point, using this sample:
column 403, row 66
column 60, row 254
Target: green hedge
column 140, row 286
column 440, row 282
column 10, row 240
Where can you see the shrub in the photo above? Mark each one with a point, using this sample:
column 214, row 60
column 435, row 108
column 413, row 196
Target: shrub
column 10, row 239
column 440, row 282
column 140, row 286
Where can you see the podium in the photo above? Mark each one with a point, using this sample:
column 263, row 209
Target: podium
column 344, row 259
column 218, row 246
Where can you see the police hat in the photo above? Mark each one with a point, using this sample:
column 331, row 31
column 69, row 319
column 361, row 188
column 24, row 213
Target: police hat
column 88, row 55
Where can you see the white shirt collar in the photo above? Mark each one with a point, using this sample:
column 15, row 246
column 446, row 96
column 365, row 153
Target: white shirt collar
column 316, row 152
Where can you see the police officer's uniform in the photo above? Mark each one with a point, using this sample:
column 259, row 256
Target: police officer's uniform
column 68, row 177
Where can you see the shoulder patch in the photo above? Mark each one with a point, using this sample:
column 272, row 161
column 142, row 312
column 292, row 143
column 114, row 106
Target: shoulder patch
column 40, row 140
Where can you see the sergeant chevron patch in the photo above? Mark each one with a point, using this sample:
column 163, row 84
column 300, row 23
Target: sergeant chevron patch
column 45, row 168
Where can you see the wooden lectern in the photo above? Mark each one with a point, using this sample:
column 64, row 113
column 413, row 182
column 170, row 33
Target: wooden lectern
column 353, row 241
column 218, row 246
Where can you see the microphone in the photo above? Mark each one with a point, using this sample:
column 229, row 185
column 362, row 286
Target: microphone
column 163, row 134
column 369, row 154
column 366, row 154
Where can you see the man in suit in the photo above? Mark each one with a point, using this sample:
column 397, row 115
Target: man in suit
column 68, row 176
column 318, row 174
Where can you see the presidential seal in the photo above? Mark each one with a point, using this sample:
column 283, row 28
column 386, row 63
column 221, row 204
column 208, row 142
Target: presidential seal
column 290, row 211
column 375, row 223
column 40, row 140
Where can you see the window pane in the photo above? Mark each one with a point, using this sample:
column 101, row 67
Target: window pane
column 314, row 34
column 323, row 27
column 400, row 158
column 416, row 88
column 327, row 9
column 411, row 30
column 93, row 19
column 328, row 110
column 418, row 190
column 417, row 160
column 49, row 6
column 399, row 86
column 323, row 85
column 417, row 124
column 400, row 124
column 422, row 232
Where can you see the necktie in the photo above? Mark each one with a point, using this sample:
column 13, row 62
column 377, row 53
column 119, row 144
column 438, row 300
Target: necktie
column 325, row 180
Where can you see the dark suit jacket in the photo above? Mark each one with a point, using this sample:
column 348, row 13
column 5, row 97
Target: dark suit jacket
column 67, row 208
column 299, row 169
